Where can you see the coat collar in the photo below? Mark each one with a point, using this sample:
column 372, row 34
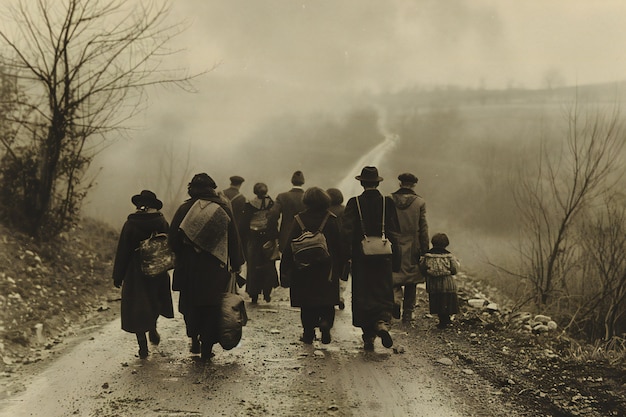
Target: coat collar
column 403, row 190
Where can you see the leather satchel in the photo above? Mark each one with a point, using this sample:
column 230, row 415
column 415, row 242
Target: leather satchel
column 374, row 245
column 270, row 250
column 155, row 255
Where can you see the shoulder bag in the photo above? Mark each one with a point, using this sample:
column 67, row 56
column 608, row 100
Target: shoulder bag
column 374, row 245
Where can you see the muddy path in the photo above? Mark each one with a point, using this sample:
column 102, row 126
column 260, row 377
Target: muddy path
column 271, row 373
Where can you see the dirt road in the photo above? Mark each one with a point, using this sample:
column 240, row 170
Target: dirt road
column 271, row 373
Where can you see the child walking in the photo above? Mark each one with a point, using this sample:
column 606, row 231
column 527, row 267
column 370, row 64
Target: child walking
column 438, row 265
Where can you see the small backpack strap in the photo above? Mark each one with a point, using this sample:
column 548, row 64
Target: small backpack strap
column 324, row 222
column 299, row 220
column 383, row 223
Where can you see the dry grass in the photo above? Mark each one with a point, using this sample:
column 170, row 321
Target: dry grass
column 612, row 351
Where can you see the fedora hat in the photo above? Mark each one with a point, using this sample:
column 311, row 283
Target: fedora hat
column 369, row 174
column 147, row 199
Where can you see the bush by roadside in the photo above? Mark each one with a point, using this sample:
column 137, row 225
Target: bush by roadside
column 47, row 287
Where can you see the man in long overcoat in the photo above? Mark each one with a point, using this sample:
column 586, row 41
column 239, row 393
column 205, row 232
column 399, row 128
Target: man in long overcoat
column 237, row 199
column 287, row 205
column 204, row 256
column 412, row 241
column 372, row 282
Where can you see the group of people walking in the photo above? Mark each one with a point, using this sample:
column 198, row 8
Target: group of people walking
column 382, row 242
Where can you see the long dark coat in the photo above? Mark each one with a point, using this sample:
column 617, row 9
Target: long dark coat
column 237, row 203
column 287, row 205
column 199, row 276
column 338, row 210
column 412, row 239
column 143, row 298
column 372, row 282
column 260, row 270
column 317, row 285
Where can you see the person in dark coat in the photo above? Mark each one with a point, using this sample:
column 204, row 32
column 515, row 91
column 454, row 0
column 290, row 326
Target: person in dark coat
column 372, row 282
column 256, row 231
column 207, row 248
column 337, row 208
column 315, row 289
column 144, row 298
column 287, row 205
column 236, row 198
column 438, row 266
column 412, row 243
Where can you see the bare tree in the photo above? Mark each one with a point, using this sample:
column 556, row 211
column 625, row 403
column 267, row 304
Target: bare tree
column 553, row 78
column 175, row 172
column 551, row 196
column 86, row 65
column 604, row 242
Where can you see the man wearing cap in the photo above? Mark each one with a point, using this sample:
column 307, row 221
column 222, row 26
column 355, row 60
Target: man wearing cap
column 237, row 200
column 412, row 241
column 286, row 206
column 372, row 282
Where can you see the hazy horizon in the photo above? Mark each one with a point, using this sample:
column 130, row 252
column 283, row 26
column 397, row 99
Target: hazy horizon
column 310, row 64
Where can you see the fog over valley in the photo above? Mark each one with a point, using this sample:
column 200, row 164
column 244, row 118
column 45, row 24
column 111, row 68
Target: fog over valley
column 458, row 93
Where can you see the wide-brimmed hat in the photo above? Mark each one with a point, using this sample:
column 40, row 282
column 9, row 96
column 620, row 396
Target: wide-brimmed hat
column 147, row 199
column 369, row 174
column 407, row 178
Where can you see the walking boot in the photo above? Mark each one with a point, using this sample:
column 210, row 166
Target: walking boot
column 383, row 332
column 206, row 351
column 143, row 345
column 195, row 345
column 368, row 343
column 325, row 329
column 444, row 321
column 154, row 336
column 308, row 336
column 407, row 317
column 396, row 311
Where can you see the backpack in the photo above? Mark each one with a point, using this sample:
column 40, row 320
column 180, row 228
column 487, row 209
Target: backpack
column 258, row 222
column 155, row 255
column 310, row 248
column 437, row 266
column 259, row 219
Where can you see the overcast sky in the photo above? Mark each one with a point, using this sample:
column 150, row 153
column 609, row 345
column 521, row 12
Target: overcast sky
column 390, row 44
column 300, row 57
